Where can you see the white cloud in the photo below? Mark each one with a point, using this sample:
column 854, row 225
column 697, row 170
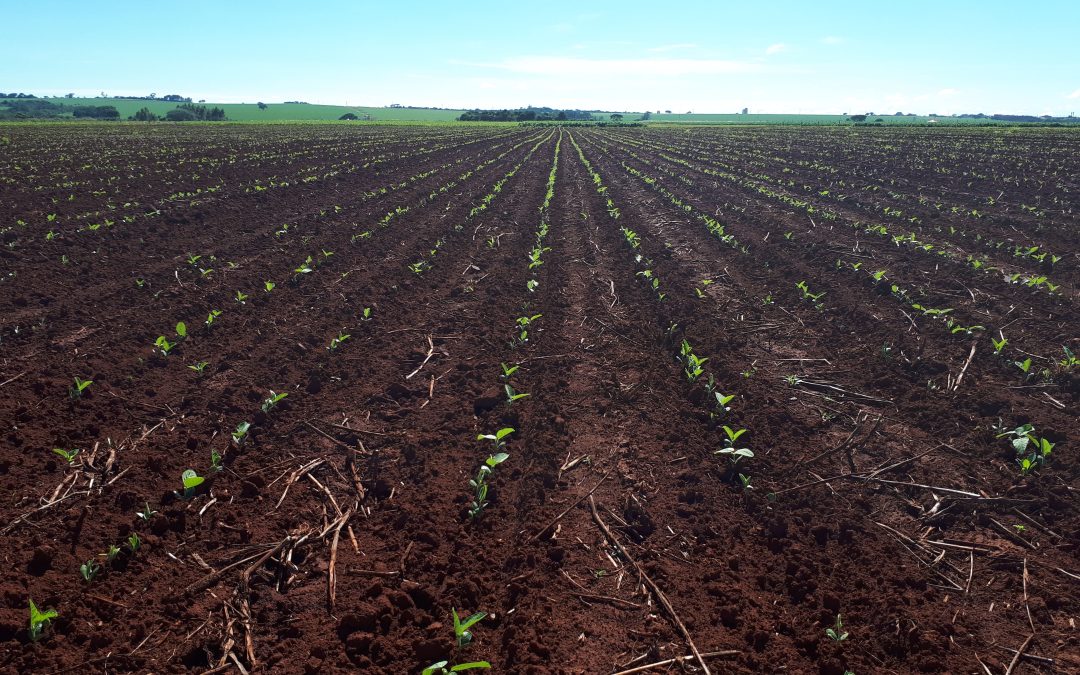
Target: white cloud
column 776, row 48
column 948, row 91
column 567, row 66
column 832, row 40
column 1075, row 94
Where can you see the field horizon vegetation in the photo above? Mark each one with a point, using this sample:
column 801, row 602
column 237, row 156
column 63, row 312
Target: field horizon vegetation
column 128, row 107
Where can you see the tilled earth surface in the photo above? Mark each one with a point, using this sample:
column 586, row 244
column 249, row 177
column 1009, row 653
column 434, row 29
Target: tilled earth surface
column 873, row 307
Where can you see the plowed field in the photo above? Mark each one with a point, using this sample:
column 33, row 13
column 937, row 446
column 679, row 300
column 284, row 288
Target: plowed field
column 762, row 383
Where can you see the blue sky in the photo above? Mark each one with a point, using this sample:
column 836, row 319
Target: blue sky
column 913, row 56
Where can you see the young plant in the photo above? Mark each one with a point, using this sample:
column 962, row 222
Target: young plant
column 88, row 570
column 1070, row 361
column 336, row 342
column 480, row 483
column 241, row 297
column 441, row 669
column 212, row 317
column 147, row 513
column 512, row 396
column 269, row 286
column 199, row 367
column 215, row 460
column 837, row 632
column 508, row 371
column 40, row 620
column 68, row 455
column 190, row 481
column 76, row 391
column 497, row 438
column 999, row 344
column 163, row 346
column 693, row 366
column 239, row 435
column 111, row 553
column 461, row 628
column 729, row 450
column 366, row 314
column 745, row 480
column 271, row 403
column 134, row 542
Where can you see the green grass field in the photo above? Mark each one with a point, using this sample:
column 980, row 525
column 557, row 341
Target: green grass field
column 281, row 112
column 249, row 112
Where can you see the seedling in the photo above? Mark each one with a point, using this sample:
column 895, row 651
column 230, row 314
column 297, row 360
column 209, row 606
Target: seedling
column 440, row 667
column 271, row 403
column 211, row 318
column 497, row 438
column 199, row 367
column 239, row 435
column 366, row 314
column 163, row 346
column 76, row 391
column 147, row 513
column 68, row 455
column 512, row 396
column 40, row 620
column 111, row 553
column 722, row 401
column 693, row 366
column 241, row 297
column 190, row 480
column 999, row 344
column 1025, row 366
column 507, row 371
column 730, row 451
column 336, row 342
column 461, row 628
column 269, row 286
column 745, row 480
column 88, row 570
column 1070, row 361
column 134, row 542
column 837, row 632
column 193, row 259
column 480, row 485
column 215, row 460
column 807, row 295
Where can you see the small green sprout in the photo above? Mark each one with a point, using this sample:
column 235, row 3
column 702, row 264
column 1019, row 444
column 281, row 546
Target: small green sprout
column 837, row 632
column 497, row 437
column 508, row 371
column 241, row 297
column 68, row 455
column 336, row 342
column 163, row 346
column 440, row 667
column 140, row 282
column 199, row 367
column 745, row 480
column 111, row 553
column 512, row 396
column 190, row 480
column 239, row 435
column 480, row 484
column 40, row 620
column 271, row 403
column 88, row 570
column 1024, row 366
column 722, row 401
column 461, row 628
column 212, row 317
column 215, row 460
column 269, row 286
column 193, row 259
column 1070, row 361
column 366, row 314
column 999, row 345
column 147, row 513
column 77, row 390
column 134, row 542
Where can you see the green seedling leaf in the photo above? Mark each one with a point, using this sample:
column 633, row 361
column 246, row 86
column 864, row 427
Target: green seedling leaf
column 191, row 480
column 181, row 329
column 39, row 620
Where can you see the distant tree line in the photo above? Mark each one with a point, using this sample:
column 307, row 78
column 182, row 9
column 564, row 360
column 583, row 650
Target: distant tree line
column 529, row 114
column 17, row 95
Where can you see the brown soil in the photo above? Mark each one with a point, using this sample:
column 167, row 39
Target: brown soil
column 337, row 538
